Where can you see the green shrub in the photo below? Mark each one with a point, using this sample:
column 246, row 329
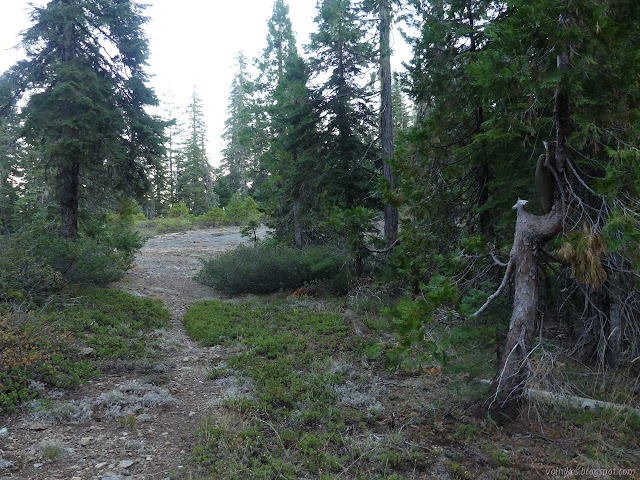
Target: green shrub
column 266, row 268
column 25, row 279
column 178, row 210
column 104, row 250
column 96, row 260
column 213, row 218
column 241, row 209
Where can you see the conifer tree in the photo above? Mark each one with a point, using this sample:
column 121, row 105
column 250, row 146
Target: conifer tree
column 281, row 43
column 195, row 175
column 87, row 98
column 238, row 154
column 10, row 153
column 583, row 101
column 341, row 49
column 292, row 159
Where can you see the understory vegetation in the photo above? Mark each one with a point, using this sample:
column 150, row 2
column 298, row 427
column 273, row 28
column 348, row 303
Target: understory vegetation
column 270, row 267
column 56, row 333
column 241, row 210
column 319, row 401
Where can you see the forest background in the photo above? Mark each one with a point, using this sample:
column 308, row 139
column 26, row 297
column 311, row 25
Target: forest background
column 401, row 184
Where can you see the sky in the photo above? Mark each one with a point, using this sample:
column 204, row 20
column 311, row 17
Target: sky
column 193, row 46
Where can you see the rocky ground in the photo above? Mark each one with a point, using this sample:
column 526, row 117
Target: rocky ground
column 137, row 424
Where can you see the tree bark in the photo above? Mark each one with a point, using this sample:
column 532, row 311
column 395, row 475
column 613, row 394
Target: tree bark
column 615, row 325
column 386, row 119
column 513, row 372
column 531, row 230
column 69, row 178
column 297, row 225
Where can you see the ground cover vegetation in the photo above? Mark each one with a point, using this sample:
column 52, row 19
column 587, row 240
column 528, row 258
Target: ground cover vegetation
column 514, row 104
column 491, row 224
column 320, row 403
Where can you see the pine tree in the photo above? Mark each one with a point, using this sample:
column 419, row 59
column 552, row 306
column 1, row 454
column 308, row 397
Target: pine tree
column 281, row 43
column 195, row 175
column 402, row 116
column 341, row 49
column 86, row 109
column 10, row 153
column 292, row 159
column 238, row 154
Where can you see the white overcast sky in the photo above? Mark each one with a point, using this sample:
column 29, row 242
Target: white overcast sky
column 193, row 45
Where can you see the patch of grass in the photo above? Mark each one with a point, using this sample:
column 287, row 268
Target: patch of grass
column 294, row 426
column 52, row 451
column 267, row 268
column 46, row 346
column 216, row 373
column 113, row 323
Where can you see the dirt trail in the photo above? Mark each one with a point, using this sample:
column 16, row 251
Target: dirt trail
column 94, row 439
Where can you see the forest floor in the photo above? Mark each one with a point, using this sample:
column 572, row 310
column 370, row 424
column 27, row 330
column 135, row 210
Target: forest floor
column 413, row 426
column 112, row 448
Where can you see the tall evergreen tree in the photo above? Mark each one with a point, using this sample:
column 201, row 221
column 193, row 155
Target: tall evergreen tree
column 10, row 152
column 281, row 43
column 195, row 175
column 383, row 10
column 292, row 159
column 88, row 94
column 341, row 49
column 239, row 129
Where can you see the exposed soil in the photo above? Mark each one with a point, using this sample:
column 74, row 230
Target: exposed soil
column 95, row 439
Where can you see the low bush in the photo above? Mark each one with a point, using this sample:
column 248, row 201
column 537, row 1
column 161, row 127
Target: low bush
column 24, row 279
column 102, row 253
column 180, row 223
column 266, row 268
column 166, row 225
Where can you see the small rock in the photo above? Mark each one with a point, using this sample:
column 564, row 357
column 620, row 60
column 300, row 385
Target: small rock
column 125, row 463
column 84, row 441
column 4, row 432
column 37, row 465
column 100, row 465
column 37, row 426
column 76, row 478
column 186, row 359
column 87, row 351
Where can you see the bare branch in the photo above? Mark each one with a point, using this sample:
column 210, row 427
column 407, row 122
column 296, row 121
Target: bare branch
column 497, row 261
column 389, row 248
column 491, row 298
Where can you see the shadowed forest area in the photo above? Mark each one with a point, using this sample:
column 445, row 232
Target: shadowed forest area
column 439, row 277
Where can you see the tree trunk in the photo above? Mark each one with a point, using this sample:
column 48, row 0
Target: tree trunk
column 297, row 226
column 514, row 371
column 69, row 179
column 485, row 217
column 386, row 119
column 531, row 230
column 615, row 325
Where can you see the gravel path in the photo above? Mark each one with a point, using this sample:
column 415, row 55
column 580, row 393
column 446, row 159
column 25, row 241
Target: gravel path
column 93, row 438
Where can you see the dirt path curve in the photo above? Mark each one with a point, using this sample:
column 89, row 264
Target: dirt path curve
column 136, row 425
